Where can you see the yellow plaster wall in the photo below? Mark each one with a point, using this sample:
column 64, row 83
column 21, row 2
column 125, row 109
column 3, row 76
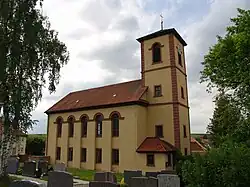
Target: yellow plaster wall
column 164, row 40
column 141, row 162
column 181, row 82
column 142, row 125
column 177, row 43
column 88, row 142
column 159, row 77
column 161, row 115
column 185, row 142
column 128, row 130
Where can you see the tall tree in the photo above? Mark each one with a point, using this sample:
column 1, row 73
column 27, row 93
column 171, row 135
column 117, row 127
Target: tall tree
column 227, row 65
column 226, row 119
column 31, row 56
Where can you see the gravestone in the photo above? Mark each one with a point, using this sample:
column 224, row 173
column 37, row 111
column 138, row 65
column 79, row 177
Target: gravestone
column 60, row 179
column 143, row 182
column 100, row 176
column 29, row 169
column 43, row 165
column 12, row 165
column 102, row 184
column 26, row 183
column 168, row 180
column 111, row 177
column 60, row 167
column 151, row 174
column 105, row 176
column 129, row 174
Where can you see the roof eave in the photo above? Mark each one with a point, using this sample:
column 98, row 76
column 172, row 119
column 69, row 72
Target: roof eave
column 161, row 33
column 148, row 151
column 138, row 102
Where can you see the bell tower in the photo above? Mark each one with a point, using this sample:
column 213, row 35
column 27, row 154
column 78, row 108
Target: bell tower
column 163, row 71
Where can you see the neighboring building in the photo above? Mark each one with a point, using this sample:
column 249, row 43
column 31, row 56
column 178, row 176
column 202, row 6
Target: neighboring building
column 19, row 146
column 197, row 147
column 203, row 138
column 132, row 125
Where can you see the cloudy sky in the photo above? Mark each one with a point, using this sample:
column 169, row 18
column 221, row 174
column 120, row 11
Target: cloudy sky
column 101, row 38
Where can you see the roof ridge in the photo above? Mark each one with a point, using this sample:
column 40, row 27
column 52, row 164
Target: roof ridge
column 106, row 86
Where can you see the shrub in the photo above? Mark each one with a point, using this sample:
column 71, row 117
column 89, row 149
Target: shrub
column 227, row 165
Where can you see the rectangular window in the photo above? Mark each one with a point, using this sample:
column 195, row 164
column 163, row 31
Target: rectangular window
column 59, row 130
column 84, row 128
column 150, row 160
column 98, row 155
column 83, row 155
column 186, row 151
column 182, row 93
column 115, row 126
column 179, row 59
column 99, row 129
column 71, row 129
column 58, row 153
column 169, row 160
column 70, row 154
column 184, row 131
column 159, row 131
column 158, row 91
column 115, row 156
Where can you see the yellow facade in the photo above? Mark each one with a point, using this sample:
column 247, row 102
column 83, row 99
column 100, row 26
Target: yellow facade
column 135, row 123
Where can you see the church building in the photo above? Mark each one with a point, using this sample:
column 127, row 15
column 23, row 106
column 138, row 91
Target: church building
column 136, row 125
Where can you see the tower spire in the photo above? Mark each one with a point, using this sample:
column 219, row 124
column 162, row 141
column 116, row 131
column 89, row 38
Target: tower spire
column 161, row 22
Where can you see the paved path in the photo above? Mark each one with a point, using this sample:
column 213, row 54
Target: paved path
column 77, row 182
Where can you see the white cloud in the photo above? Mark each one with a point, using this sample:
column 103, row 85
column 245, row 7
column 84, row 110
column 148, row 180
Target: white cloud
column 100, row 35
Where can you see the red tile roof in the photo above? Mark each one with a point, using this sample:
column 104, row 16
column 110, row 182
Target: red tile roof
column 154, row 144
column 126, row 93
column 196, row 146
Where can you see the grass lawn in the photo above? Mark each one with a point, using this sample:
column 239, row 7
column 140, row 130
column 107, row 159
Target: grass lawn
column 88, row 175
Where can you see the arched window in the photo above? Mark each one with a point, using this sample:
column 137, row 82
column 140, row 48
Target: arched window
column 71, row 126
column 98, row 120
column 156, row 53
column 84, row 126
column 59, row 121
column 115, row 125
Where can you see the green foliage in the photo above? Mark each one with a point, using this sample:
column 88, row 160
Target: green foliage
column 226, row 119
column 35, row 145
column 227, row 65
column 227, row 165
column 31, row 57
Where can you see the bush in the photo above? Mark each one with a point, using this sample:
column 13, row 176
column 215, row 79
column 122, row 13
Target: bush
column 35, row 145
column 227, row 165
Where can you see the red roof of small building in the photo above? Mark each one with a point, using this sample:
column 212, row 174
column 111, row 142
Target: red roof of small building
column 106, row 96
column 196, row 146
column 156, row 145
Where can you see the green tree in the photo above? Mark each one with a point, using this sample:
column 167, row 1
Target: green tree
column 226, row 119
column 31, row 56
column 35, row 145
column 227, row 165
column 227, row 65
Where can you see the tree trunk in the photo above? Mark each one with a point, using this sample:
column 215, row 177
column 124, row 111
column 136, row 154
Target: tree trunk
column 6, row 145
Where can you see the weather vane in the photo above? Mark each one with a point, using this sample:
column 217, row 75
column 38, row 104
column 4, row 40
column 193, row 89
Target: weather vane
column 161, row 22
